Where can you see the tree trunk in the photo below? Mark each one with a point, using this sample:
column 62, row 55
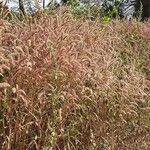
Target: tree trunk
column 21, row 8
column 43, row 4
column 146, row 8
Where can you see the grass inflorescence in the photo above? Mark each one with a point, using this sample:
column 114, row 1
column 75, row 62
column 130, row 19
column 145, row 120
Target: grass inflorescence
column 74, row 84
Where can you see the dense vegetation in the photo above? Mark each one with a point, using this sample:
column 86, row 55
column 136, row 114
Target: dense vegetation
column 74, row 84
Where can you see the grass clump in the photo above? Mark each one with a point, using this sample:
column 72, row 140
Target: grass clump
column 74, row 84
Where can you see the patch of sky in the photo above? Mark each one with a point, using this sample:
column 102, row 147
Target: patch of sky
column 13, row 4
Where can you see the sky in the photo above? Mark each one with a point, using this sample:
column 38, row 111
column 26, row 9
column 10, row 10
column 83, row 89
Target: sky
column 13, row 4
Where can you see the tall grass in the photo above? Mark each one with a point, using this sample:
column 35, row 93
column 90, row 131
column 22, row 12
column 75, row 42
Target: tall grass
column 73, row 84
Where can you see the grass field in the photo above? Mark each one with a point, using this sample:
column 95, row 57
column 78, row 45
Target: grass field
column 74, row 84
